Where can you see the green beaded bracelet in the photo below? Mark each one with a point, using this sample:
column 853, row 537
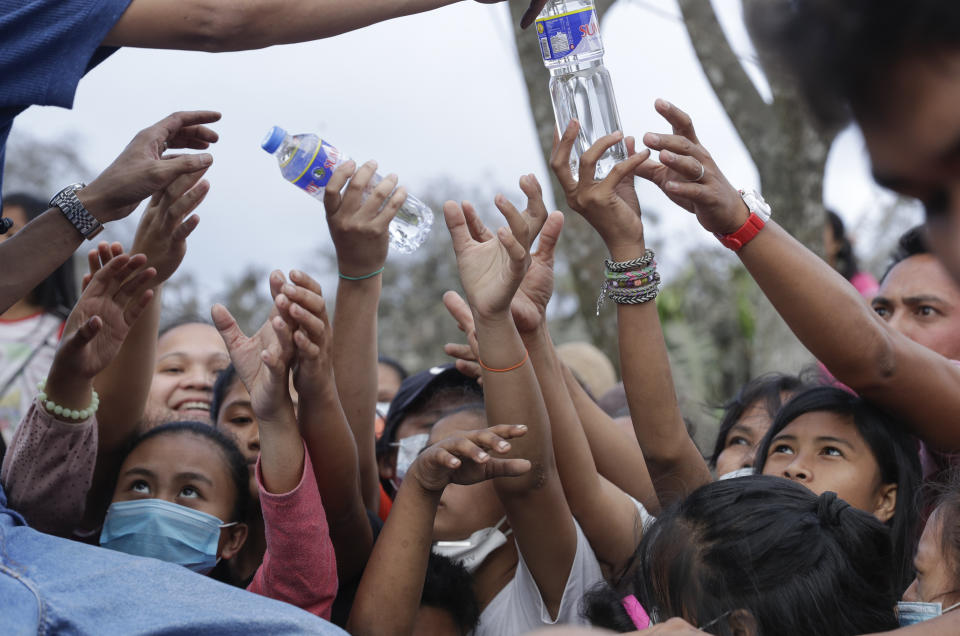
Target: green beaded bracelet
column 72, row 414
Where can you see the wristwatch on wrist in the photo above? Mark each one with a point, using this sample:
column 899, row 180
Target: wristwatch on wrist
column 73, row 209
column 759, row 215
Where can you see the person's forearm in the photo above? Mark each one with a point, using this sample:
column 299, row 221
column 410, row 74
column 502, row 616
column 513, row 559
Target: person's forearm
column 617, row 455
column 355, row 369
column 33, row 253
column 675, row 464
column 281, row 451
column 388, row 598
column 513, row 397
column 223, row 25
column 826, row 313
column 334, row 456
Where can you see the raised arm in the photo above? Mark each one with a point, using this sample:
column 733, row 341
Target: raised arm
column 324, row 426
column 491, row 269
column 608, row 517
column 824, row 311
column 388, row 598
column 223, row 25
column 50, row 463
column 611, row 207
column 125, row 383
column 50, row 239
column 359, row 232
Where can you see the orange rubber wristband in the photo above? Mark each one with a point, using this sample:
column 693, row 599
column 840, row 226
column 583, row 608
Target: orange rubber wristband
column 516, row 366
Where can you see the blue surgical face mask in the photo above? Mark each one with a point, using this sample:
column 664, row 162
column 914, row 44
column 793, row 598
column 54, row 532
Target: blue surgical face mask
column 913, row 612
column 163, row 530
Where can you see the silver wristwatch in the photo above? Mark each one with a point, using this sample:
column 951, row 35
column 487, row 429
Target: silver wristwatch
column 79, row 216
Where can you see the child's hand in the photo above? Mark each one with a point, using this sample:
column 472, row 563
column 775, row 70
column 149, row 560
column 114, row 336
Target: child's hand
column 689, row 175
column 529, row 306
column 610, row 205
column 109, row 305
column 262, row 362
column 465, row 458
column 301, row 303
column 359, row 228
column 164, row 227
column 491, row 267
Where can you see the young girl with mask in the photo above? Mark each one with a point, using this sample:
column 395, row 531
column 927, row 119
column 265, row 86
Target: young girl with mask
column 830, row 440
column 181, row 491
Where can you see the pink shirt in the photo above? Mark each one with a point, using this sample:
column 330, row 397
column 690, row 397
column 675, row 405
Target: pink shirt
column 49, row 467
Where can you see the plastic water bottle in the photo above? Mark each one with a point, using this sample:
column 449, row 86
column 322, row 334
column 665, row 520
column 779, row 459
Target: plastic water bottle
column 580, row 86
column 308, row 162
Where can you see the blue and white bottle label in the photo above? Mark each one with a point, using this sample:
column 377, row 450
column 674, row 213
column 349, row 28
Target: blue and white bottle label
column 315, row 176
column 575, row 32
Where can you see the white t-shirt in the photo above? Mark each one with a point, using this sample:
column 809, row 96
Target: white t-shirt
column 27, row 348
column 519, row 608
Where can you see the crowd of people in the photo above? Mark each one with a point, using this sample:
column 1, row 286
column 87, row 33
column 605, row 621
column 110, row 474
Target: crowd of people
column 192, row 478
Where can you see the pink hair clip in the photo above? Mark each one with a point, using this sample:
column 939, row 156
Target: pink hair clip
column 636, row 612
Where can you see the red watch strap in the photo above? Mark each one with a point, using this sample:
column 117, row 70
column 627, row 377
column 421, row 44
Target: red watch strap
column 743, row 235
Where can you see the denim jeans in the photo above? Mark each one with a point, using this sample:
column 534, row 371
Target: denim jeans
column 50, row 585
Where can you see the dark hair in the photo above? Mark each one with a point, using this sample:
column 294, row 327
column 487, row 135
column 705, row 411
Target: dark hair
column 441, row 395
column 393, row 364
column 448, row 586
column 846, row 259
column 221, row 386
column 799, row 563
column 946, row 511
column 767, row 389
column 913, row 242
column 57, row 294
column 894, row 450
column 843, row 51
column 233, row 459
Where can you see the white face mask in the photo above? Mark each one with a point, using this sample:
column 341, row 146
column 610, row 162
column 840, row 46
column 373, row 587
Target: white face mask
column 740, row 472
column 383, row 408
column 913, row 612
column 407, row 450
column 471, row 552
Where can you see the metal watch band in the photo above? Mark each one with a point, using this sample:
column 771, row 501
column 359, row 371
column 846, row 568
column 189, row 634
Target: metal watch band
column 73, row 209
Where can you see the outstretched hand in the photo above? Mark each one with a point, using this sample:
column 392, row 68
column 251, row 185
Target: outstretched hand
column 688, row 175
column 141, row 170
column 465, row 458
column 164, row 227
column 262, row 361
column 610, row 205
column 492, row 266
column 109, row 305
column 360, row 227
column 300, row 302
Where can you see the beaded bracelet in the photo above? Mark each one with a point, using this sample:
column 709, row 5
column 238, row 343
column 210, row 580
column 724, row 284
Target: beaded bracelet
column 630, row 282
column 60, row 411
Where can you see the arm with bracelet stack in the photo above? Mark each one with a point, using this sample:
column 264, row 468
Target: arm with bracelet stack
column 631, row 282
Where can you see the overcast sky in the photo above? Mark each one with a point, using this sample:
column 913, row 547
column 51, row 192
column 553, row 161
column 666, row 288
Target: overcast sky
column 432, row 96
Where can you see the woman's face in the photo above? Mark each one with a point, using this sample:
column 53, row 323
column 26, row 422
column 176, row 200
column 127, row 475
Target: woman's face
column 825, row 452
column 236, row 419
column 936, row 581
column 184, row 469
column 188, row 360
column 464, row 509
column 743, row 438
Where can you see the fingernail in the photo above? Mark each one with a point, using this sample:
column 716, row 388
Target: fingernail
column 661, row 103
column 205, row 159
column 670, row 185
column 666, row 155
column 651, row 138
column 372, row 163
column 503, row 446
column 454, row 462
column 392, row 176
column 618, row 135
column 482, row 456
column 522, row 427
column 288, row 289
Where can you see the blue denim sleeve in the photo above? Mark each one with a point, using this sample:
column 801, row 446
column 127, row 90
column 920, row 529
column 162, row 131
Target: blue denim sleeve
column 50, row 585
column 48, row 45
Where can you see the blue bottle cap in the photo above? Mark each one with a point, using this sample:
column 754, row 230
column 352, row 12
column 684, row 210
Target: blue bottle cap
column 273, row 139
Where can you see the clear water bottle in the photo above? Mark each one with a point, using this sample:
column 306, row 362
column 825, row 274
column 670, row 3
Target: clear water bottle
column 580, row 85
column 308, row 162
